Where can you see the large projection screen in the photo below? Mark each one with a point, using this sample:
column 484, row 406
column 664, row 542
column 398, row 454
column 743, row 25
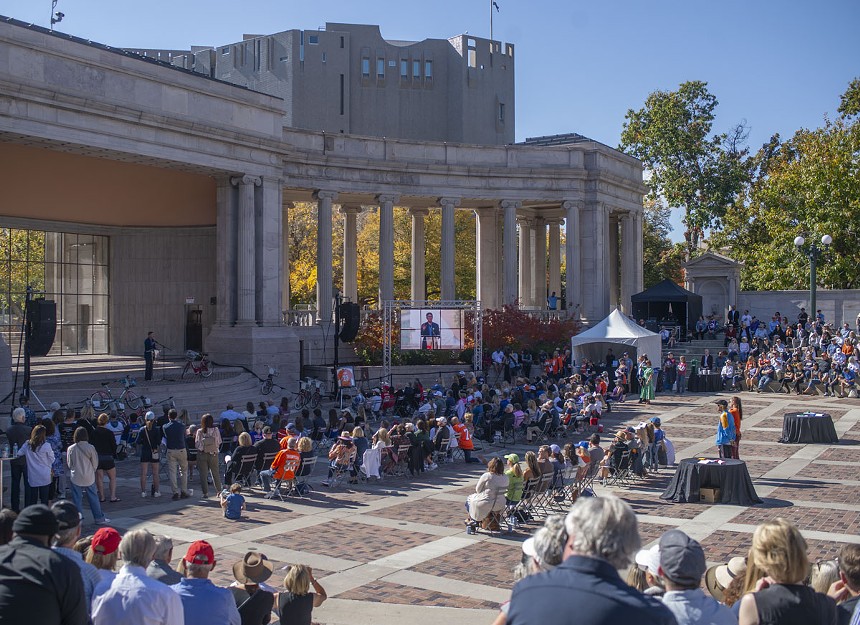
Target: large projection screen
column 431, row 328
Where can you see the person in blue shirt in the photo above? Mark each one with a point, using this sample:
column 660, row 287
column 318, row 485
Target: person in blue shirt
column 204, row 603
column 234, row 503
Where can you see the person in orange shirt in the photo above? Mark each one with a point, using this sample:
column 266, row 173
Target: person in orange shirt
column 283, row 467
column 737, row 411
column 464, row 439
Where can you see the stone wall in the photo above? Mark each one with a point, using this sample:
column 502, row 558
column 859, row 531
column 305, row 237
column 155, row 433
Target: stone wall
column 838, row 306
column 153, row 272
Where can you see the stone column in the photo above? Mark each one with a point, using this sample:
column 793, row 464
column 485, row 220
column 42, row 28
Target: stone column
column 573, row 262
column 246, row 270
column 448, row 205
column 225, row 236
column 324, row 254
column 525, row 262
column 509, row 232
column 555, row 257
column 486, row 258
column 539, row 264
column 628, row 261
column 639, row 260
column 350, row 253
column 419, row 286
column 268, row 250
column 386, row 246
column 613, row 263
column 285, row 254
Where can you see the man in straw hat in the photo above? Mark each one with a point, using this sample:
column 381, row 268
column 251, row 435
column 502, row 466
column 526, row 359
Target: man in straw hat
column 252, row 595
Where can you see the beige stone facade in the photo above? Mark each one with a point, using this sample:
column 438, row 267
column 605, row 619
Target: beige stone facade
column 91, row 108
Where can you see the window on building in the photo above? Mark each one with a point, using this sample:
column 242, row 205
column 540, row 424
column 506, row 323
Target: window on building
column 71, row 270
column 313, row 39
column 342, row 94
column 380, row 68
column 324, row 57
column 502, row 112
column 225, row 51
column 258, row 55
column 428, row 70
column 404, row 68
column 341, row 42
column 365, row 67
column 416, row 69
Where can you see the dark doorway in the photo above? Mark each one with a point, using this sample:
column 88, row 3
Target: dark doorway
column 194, row 327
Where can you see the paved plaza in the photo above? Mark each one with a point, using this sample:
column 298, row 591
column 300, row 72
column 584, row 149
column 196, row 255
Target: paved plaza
column 397, row 551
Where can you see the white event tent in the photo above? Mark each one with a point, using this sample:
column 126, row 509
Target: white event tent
column 616, row 329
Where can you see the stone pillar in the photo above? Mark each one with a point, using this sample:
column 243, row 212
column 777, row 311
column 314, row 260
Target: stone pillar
column 350, row 253
column 268, row 250
column 499, row 265
column 639, row 259
column 419, row 285
column 225, row 267
column 448, row 205
column 386, row 246
column 525, row 262
column 629, row 260
column 509, row 232
column 285, row 254
column 555, row 257
column 324, row 255
column 572, row 258
column 539, row 264
column 486, row 258
column 613, row 263
column 246, row 270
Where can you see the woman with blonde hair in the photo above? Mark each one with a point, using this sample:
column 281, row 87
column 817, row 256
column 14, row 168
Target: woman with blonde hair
column 532, row 469
column 296, row 603
column 780, row 597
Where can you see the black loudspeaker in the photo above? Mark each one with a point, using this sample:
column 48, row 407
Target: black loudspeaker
column 350, row 313
column 41, row 326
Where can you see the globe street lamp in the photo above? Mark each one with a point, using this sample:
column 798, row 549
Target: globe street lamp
column 813, row 253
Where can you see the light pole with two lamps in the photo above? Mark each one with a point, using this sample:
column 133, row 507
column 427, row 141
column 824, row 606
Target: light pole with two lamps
column 813, row 253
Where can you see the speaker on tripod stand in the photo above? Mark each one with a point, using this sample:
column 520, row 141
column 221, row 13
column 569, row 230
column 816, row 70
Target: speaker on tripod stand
column 350, row 313
column 41, row 326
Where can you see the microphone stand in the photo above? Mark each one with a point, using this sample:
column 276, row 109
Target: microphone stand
column 164, row 350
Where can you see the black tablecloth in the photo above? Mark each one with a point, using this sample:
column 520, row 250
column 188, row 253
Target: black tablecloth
column 808, row 428
column 709, row 383
column 731, row 477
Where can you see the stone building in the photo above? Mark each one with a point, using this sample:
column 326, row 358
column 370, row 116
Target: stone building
column 348, row 79
column 174, row 188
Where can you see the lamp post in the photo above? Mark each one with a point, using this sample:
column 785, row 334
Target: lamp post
column 813, row 253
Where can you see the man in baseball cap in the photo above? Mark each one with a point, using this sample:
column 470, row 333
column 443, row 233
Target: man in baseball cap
column 682, row 564
column 38, row 584
column 68, row 532
column 202, row 601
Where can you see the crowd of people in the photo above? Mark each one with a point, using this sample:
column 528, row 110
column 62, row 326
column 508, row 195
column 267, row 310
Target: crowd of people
column 804, row 357
column 50, row 573
column 570, row 574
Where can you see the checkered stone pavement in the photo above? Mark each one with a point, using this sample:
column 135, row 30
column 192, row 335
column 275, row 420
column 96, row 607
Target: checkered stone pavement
column 396, row 550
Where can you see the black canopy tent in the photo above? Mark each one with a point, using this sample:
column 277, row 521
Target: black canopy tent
column 666, row 303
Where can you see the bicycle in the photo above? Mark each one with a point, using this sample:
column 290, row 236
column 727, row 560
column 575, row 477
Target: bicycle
column 267, row 384
column 307, row 397
column 104, row 399
column 197, row 363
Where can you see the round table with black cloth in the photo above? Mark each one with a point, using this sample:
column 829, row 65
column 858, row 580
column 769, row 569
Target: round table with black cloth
column 731, row 477
column 808, row 428
column 705, row 383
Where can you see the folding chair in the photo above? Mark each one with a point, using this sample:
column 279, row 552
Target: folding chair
column 290, row 468
column 540, row 501
column 544, row 435
column 440, row 456
column 265, row 463
column 523, row 511
column 340, row 471
column 621, row 474
column 495, row 515
column 306, row 469
column 401, row 465
column 244, row 472
column 563, row 494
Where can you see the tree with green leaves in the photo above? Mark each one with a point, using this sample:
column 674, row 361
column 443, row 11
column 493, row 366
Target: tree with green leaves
column 662, row 259
column 808, row 186
column 690, row 167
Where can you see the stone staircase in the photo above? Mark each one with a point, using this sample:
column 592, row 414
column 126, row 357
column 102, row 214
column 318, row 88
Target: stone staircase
column 71, row 380
column 693, row 349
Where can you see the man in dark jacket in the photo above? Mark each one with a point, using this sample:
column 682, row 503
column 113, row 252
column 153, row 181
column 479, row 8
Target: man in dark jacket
column 17, row 434
column 38, row 585
column 585, row 589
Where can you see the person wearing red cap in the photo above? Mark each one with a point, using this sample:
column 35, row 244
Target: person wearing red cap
column 133, row 597
column 203, row 603
column 102, row 553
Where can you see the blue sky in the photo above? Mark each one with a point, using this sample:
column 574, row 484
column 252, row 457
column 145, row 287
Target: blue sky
column 778, row 64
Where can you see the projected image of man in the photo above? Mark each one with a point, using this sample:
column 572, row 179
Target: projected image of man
column 430, row 334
